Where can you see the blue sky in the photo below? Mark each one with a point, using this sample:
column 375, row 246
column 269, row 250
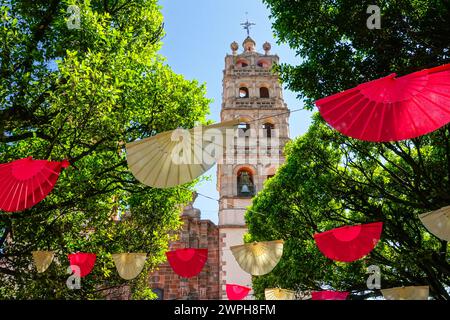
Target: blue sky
column 198, row 36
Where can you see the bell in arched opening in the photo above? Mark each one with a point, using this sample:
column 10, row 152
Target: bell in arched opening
column 245, row 183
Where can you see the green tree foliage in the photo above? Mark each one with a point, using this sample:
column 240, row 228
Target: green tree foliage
column 338, row 51
column 81, row 94
column 330, row 180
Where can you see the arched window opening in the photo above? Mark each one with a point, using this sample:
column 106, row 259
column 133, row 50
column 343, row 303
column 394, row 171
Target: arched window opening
column 244, row 129
column 262, row 64
column 245, row 185
column 243, row 92
column 264, row 92
column 268, row 129
column 242, row 64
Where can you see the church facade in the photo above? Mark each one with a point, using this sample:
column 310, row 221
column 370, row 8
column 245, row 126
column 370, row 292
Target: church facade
column 252, row 92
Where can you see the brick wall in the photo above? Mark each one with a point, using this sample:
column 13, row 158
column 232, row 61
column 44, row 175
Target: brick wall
column 195, row 233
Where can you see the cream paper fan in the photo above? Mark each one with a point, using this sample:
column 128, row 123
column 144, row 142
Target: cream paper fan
column 163, row 161
column 42, row 260
column 258, row 258
column 279, row 294
column 406, row 293
column 129, row 265
column 438, row 222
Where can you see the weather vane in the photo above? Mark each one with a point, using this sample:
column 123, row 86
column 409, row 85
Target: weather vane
column 247, row 25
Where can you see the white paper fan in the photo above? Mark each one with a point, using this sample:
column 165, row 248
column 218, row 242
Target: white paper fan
column 129, row 265
column 258, row 258
column 438, row 222
column 176, row 157
column 42, row 260
column 279, row 294
column 406, row 293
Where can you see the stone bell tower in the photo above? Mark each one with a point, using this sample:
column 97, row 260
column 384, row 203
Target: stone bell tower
column 251, row 91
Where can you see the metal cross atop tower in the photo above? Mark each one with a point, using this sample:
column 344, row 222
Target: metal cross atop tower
column 247, row 25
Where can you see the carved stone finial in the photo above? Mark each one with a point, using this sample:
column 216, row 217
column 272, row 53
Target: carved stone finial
column 234, row 47
column 267, row 47
column 189, row 210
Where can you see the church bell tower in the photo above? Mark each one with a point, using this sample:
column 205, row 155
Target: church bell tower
column 252, row 92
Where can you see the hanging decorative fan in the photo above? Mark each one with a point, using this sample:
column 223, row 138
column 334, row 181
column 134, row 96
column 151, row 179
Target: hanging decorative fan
column 258, row 258
column 25, row 182
column 85, row 261
column 42, row 260
column 279, row 294
column 329, row 295
column 349, row 243
column 438, row 222
column 390, row 108
column 406, row 293
column 162, row 161
column 237, row 292
column 187, row 262
column 129, row 265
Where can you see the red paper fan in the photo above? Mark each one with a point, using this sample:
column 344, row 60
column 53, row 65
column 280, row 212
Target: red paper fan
column 25, row 182
column 85, row 261
column 329, row 295
column 187, row 263
column 237, row 292
column 349, row 243
column 391, row 109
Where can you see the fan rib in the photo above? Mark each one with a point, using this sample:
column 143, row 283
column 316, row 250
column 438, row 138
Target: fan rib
column 380, row 124
column 143, row 156
column 6, row 192
column 411, row 120
column 369, row 118
column 134, row 155
column 146, row 151
column 158, row 164
column 14, row 194
column 345, row 113
column 434, row 103
column 338, row 105
column 419, row 107
column 360, row 112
